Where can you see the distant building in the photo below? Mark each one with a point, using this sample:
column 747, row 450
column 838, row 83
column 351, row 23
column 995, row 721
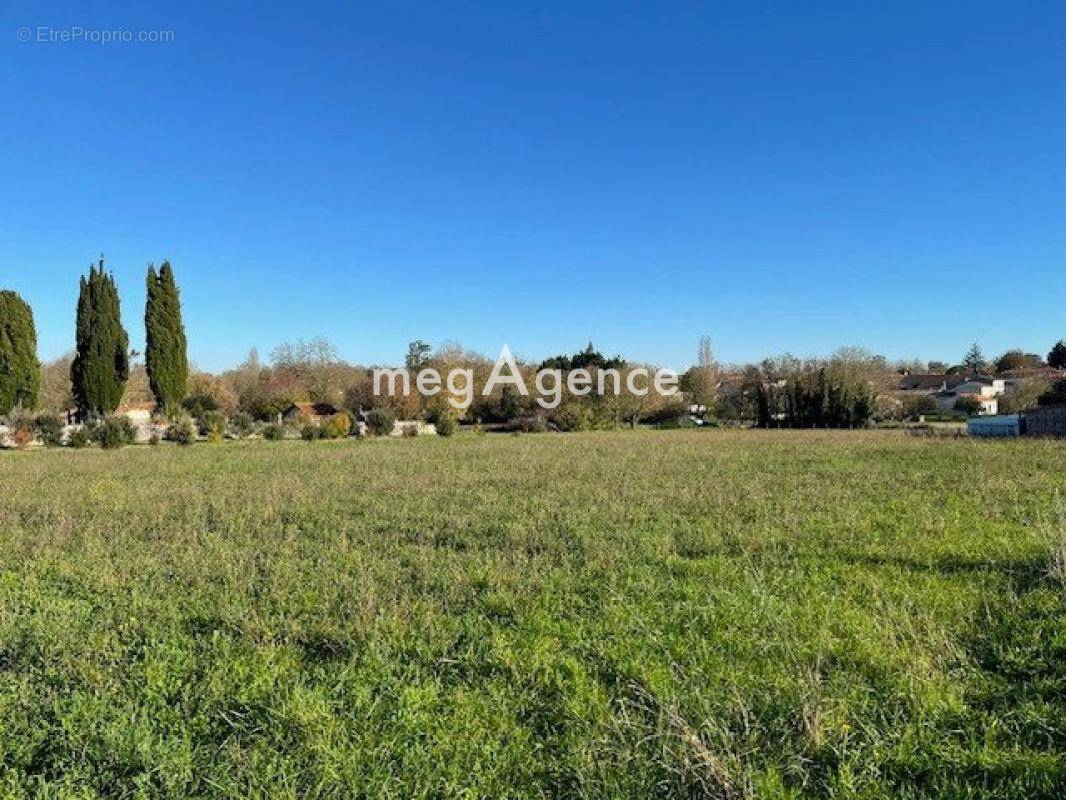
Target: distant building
column 984, row 390
column 138, row 413
column 314, row 413
column 413, row 427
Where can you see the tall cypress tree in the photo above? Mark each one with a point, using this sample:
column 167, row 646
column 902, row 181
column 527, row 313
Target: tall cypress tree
column 165, row 354
column 101, row 363
column 20, row 371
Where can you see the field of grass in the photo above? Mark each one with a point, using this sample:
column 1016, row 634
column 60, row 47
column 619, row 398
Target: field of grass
column 632, row 614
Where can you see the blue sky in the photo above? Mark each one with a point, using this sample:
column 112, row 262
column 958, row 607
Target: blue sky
column 780, row 176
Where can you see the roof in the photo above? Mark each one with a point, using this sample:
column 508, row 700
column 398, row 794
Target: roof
column 909, row 383
column 312, row 409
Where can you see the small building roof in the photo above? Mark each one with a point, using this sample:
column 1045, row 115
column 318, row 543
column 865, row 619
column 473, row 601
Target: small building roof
column 312, row 409
column 930, row 381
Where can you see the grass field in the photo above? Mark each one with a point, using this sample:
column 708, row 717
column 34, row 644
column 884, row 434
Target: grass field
column 630, row 615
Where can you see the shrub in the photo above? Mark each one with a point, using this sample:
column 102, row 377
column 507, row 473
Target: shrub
column 338, row 426
column 970, row 406
column 533, row 424
column 310, row 432
column 49, row 429
column 22, row 427
column 198, row 404
column 273, row 432
column 241, row 424
column 380, row 421
column 919, row 405
column 447, row 425
column 212, row 423
column 572, row 417
column 21, row 437
column 154, row 438
column 409, row 430
column 114, row 432
column 181, row 431
column 668, row 414
column 1056, row 394
column 79, row 438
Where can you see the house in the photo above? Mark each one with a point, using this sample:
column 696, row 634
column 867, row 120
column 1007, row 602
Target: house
column 313, row 413
column 1045, row 421
column 984, row 391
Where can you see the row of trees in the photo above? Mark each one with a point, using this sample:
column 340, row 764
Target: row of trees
column 100, row 368
column 975, row 363
column 843, row 390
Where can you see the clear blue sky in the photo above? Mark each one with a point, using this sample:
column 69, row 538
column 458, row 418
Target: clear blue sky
column 780, row 176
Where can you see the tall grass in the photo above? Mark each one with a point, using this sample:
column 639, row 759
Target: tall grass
column 632, row 614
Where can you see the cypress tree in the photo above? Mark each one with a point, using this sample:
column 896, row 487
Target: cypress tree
column 101, row 362
column 165, row 354
column 20, row 371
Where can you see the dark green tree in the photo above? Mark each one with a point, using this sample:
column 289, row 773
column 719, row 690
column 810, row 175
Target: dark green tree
column 974, row 360
column 1057, row 357
column 165, row 355
column 101, row 362
column 20, row 371
column 1017, row 359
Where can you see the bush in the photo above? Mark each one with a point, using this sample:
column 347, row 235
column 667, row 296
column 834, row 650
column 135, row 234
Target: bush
column 338, row 426
column 241, row 424
column 273, row 432
column 49, row 429
column 447, row 425
column 572, row 417
column 21, row 437
column 533, row 424
column 380, row 421
column 114, row 432
column 919, row 405
column 79, row 438
column 211, row 423
column 154, row 438
column 970, row 406
column 409, row 430
column 310, row 433
column 666, row 415
column 181, row 431
column 199, row 404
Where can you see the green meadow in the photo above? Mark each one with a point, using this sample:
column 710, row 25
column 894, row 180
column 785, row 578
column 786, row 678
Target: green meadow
column 627, row 614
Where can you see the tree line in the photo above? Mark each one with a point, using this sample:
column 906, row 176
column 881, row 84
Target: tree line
column 845, row 390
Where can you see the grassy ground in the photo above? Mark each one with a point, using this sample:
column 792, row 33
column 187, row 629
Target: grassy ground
column 632, row 614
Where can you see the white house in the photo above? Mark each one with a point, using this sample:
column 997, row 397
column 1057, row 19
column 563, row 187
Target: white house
column 984, row 390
